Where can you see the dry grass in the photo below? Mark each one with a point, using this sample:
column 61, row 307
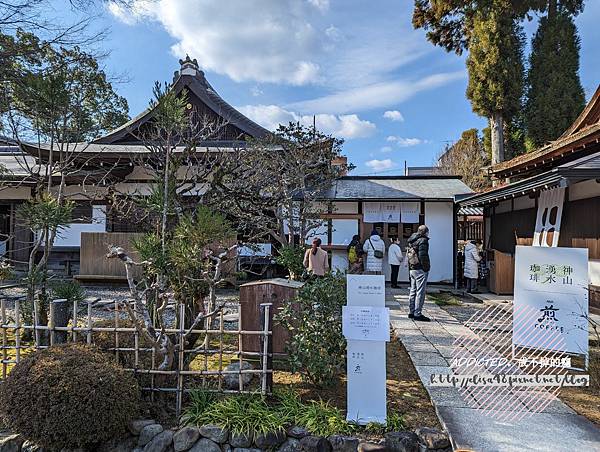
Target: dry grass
column 405, row 393
column 586, row 400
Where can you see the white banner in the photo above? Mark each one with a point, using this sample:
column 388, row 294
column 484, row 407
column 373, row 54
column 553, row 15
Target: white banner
column 549, row 214
column 366, row 367
column 372, row 212
column 550, row 305
column 391, row 212
column 410, row 212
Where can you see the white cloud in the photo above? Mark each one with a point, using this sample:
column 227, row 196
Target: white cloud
column 260, row 40
column 256, row 91
column 386, row 149
column 381, row 165
column 322, row 5
column 393, row 115
column 342, row 126
column 405, row 142
column 376, row 95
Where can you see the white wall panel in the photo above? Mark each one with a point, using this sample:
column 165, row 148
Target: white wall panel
column 71, row 236
column 439, row 219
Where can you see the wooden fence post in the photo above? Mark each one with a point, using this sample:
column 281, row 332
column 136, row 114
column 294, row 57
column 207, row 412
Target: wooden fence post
column 59, row 317
column 266, row 356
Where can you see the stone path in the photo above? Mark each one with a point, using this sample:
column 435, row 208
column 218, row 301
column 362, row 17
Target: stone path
column 430, row 346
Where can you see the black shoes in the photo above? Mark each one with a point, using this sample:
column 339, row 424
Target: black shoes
column 422, row 318
column 411, row 316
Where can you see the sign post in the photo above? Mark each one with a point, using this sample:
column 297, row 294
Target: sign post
column 551, row 299
column 366, row 326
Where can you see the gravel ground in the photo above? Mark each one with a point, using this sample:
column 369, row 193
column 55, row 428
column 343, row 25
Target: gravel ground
column 104, row 309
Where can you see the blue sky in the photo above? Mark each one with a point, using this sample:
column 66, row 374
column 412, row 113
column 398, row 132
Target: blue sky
column 359, row 66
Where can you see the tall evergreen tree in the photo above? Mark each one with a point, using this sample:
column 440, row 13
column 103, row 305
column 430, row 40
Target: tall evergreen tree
column 555, row 96
column 490, row 31
column 496, row 72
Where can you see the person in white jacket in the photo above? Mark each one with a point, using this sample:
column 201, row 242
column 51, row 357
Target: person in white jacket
column 471, row 272
column 374, row 248
column 395, row 259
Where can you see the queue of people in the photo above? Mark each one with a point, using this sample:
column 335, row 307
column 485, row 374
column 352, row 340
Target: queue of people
column 368, row 258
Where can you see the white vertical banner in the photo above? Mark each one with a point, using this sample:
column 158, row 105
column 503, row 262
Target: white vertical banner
column 549, row 214
column 550, row 307
column 391, row 212
column 372, row 212
column 410, row 212
column 366, row 317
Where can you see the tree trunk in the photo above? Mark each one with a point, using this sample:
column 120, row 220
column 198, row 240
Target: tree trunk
column 497, row 129
column 552, row 8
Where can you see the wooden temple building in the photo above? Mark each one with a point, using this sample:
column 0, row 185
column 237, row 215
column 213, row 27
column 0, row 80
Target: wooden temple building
column 112, row 160
column 550, row 196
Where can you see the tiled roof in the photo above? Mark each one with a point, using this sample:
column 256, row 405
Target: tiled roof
column 584, row 129
column 396, row 188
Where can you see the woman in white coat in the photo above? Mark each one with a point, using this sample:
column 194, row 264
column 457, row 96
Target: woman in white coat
column 395, row 260
column 374, row 248
column 471, row 271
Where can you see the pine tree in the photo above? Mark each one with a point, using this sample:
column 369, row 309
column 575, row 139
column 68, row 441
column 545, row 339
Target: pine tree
column 490, row 31
column 496, row 72
column 555, row 96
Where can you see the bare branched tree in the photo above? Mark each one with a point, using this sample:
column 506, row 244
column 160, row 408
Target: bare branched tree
column 467, row 158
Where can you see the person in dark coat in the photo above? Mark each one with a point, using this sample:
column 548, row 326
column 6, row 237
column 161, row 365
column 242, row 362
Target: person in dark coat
column 419, row 266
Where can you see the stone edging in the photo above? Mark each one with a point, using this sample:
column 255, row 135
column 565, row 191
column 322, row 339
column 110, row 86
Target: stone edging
column 148, row 436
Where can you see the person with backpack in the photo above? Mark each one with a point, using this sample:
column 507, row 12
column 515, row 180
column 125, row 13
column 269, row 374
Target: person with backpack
column 374, row 249
column 417, row 253
column 355, row 253
column 395, row 260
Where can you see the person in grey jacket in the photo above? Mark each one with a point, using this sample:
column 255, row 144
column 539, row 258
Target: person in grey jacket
column 419, row 271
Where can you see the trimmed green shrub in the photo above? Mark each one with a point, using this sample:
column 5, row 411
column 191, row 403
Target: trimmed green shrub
column 292, row 259
column 70, row 290
column 317, row 348
column 68, row 396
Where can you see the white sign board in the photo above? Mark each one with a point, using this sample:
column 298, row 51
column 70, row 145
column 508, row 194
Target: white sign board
column 366, row 323
column 551, row 298
column 366, row 367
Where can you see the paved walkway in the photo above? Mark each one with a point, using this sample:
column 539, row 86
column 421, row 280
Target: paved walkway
column 430, row 346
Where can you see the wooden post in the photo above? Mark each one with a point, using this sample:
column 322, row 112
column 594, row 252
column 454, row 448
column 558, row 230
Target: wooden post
column 59, row 317
column 36, row 332
column 267, row 348
column 17, row 330
column 221, row 327
column 74, row 322
column 89, row 323
column 4, row 338
column 180, row 366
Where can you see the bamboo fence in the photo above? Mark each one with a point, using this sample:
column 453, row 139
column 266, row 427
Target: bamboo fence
column 210, row 359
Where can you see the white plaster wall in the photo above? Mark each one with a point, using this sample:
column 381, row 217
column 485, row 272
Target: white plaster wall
column 524, row 202
column 345, row 207
column 594, row 271
column 343, row 231
column 339, row 260
column 439, row 219
column 71, row 236
column 583, row 190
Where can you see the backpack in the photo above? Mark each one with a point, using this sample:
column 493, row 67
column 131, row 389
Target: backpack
column 377, row 253
column 412, row 255
column 352, row 256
